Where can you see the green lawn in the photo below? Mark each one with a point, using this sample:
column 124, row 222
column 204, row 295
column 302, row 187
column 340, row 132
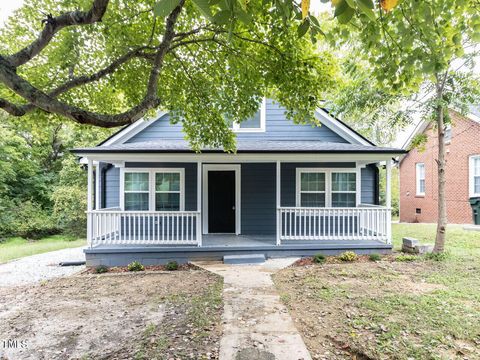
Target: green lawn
column 14, row 248
column 422, row 309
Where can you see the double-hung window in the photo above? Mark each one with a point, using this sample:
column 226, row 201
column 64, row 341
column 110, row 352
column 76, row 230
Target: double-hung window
column 137, row 191
column 153, row 190
column 420, row 179
column 326, row 187
column 254, row 124
column 474, row 175
column 312, row 189
column 344, row 189
column 167, row 191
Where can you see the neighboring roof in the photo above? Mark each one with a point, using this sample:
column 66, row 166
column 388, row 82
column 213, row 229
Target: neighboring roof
column 243, row 146
column 474, row 115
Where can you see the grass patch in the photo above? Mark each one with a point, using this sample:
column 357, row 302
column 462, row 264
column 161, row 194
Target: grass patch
column 424, row 309
column 15, row 248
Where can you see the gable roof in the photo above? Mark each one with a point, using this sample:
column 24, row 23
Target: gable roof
column 474, row 115
column 326, row 119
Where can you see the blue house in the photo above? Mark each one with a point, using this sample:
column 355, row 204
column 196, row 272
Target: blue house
column 288, row 190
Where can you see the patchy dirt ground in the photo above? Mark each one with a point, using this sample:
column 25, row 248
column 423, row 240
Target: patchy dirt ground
column 385, row 310
column 153, row 315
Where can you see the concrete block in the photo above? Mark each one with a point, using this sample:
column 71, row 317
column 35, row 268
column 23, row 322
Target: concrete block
column 423, row 249
column 244, row 259
column 409, row 242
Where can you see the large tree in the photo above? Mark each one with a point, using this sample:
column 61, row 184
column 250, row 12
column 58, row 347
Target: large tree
column 421, row 53
column 108, row 63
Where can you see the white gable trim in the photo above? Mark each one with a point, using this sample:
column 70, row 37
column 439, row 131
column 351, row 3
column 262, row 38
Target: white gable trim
column 337, row 127
column 325, row 119
column 130, row 131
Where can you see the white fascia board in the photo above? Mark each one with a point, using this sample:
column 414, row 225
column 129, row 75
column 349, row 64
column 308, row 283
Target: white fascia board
column 340, row 129
column 232, row 158
column 132, row 130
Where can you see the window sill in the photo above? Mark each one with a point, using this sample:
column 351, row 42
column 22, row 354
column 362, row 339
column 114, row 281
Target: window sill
column 420, row 195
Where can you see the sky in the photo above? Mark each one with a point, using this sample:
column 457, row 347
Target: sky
column 8, row 6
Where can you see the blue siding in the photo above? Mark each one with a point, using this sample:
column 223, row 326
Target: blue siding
column 112, row 187
column 278, row 127
column 190, row 179
column 369, row 185
column 288, row 178
column 258, row 201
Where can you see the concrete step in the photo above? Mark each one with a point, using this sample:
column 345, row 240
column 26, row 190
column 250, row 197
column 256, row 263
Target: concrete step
column 244, row 259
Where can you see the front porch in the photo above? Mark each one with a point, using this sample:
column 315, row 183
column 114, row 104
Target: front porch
column 269, row 206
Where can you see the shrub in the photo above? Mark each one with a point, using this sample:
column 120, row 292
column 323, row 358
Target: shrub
column 319, row 258
column 26, row 219
column 100, row 269
column 135, row 266
column 375, row 257
column 171, row 266
column 69, row 207
column 437, row 256
column 348, row 256
column 405, row 258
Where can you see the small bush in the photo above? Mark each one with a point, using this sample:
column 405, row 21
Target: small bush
column 135, row 266
column 319, row 258
column 100, row 269
column 375, row 257
column 437, row 256
column 348, row 256
column 171, row 266
column 406, row 258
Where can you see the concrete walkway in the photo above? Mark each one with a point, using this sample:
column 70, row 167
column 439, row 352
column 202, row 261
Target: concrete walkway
column 256, row 324
column 35, row 268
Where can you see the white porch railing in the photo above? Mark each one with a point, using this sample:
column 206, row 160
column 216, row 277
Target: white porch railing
column 360, row 223
column 115, row 227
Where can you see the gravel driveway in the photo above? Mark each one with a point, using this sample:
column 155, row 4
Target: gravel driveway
column 32, row 269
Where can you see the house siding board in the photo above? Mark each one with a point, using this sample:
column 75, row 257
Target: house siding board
column 258, row 199
column 288, row 178
column 277, row 126
column 369, row 185
column 190, row 179
column 112, row 187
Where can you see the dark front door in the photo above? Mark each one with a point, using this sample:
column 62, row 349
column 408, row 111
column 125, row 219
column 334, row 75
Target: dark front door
column 221, row 201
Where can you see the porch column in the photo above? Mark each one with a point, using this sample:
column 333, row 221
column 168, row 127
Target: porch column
column 388, row 199
column 89, row 200
column 199, row 203
column 279, row 225
column 98, row 201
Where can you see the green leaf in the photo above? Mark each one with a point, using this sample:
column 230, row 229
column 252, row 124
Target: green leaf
column 340, row 8
column 243, row 16
column 351, row 3
column 366, row 7
column 204, row 7
column 303, row 28
column 222, row 17
column 163, row 8
column 346, row 15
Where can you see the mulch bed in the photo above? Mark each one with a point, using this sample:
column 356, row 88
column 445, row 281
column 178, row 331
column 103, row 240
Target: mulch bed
column 306, row 261
column 149, row 268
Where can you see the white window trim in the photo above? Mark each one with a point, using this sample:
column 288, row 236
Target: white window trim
column 471, row 183
column 151, row 185
column 328, row 183
column 417, row 179
column 263, row 114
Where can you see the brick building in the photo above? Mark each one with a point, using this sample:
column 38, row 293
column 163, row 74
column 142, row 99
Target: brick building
column 418, row 172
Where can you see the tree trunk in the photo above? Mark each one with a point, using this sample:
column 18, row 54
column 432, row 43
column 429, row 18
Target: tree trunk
column 442, row 204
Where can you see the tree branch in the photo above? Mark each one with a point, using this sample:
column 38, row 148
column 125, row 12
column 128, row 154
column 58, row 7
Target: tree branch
column 49, row 103
column 54, row 25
